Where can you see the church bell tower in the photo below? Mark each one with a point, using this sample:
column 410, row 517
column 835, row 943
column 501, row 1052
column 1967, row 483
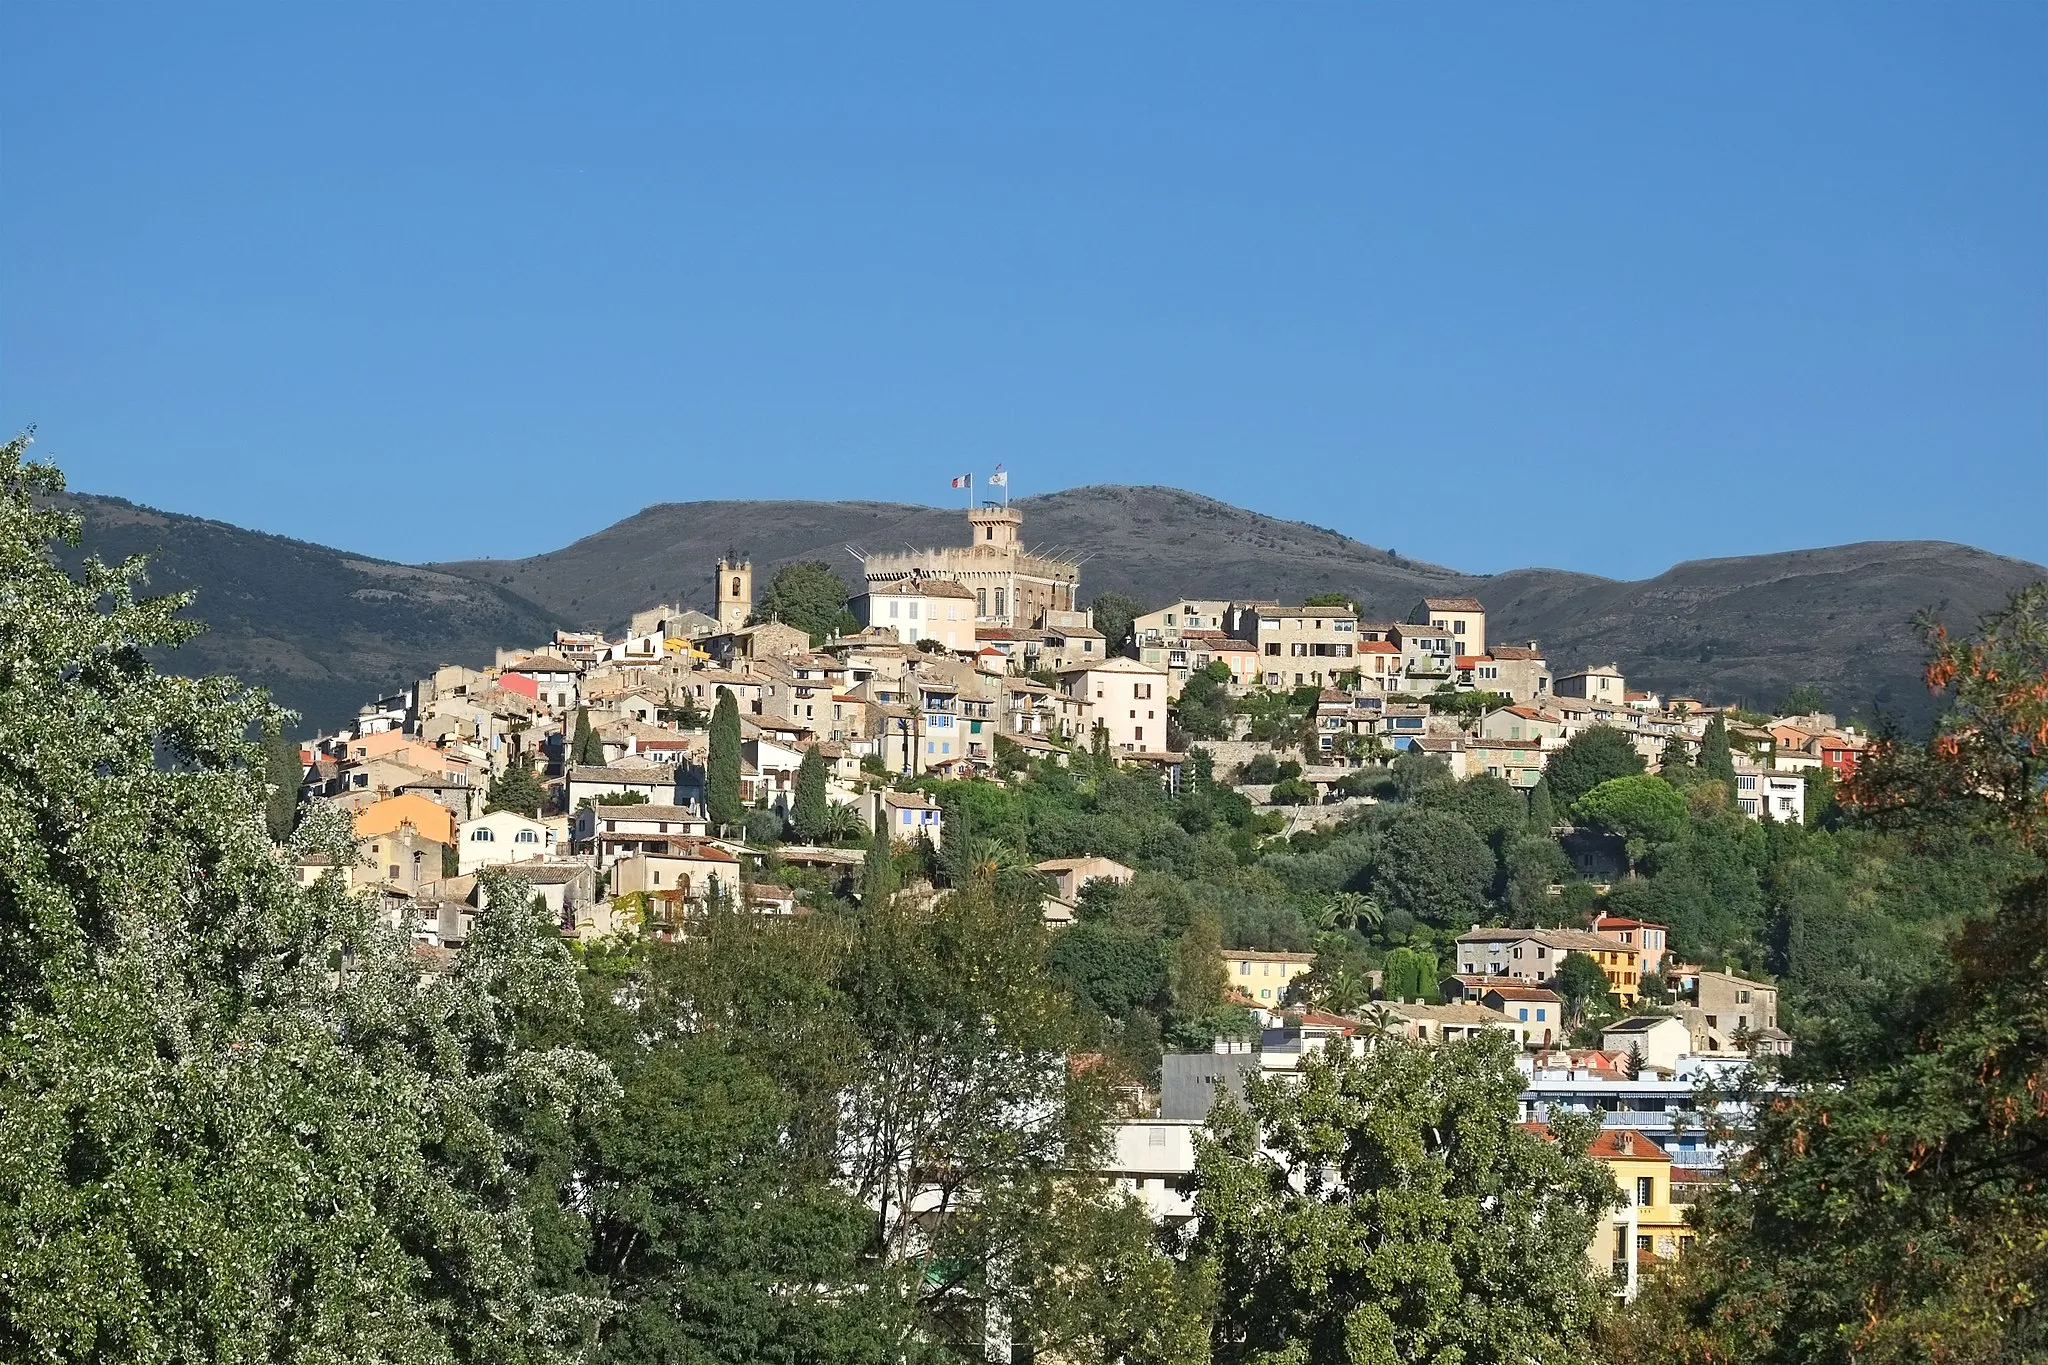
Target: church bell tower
column 735, row 592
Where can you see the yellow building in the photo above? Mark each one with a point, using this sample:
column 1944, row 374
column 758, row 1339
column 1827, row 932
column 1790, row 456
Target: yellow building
column 1264, row 976
column 1647, row 1225
column 433, row 821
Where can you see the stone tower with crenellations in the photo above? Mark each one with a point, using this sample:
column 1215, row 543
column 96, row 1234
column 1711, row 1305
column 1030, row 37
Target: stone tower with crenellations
column 1012, row 586
column 735, row 592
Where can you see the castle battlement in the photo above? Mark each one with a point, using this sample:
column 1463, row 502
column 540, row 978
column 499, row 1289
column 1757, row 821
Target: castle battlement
column 1012, row 586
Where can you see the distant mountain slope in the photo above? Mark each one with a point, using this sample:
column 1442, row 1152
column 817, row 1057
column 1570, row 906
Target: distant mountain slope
column 325, row 630
column 1742, row 629
column 1748, row 629
column 1149, row 542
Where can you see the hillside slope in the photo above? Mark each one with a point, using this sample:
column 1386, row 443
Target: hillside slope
column 1740, row 629
column 1148, row 542
column 324, row 630
column 1749, row 628
column 327, row 630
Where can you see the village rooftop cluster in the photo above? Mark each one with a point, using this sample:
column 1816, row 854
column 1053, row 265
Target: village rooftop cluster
column 969, row 659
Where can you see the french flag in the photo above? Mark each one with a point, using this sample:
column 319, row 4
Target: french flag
column 963, row 481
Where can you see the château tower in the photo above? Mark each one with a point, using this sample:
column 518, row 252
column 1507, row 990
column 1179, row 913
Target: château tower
column 735, row 592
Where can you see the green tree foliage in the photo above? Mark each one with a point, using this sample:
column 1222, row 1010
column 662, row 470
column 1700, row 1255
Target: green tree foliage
column 811, row 814
column 809, row 596
column 517, row 789
column 1533, row 863
column 1390, row 1208
column 1434, row 867
column 1641, row 810
column 1489, row 807
column 1804, row 700
column 1112, row 971
column 216, row 1147
column 1114, row 613
column 837, row 1134
column 1198, row 977
column 585, row 748
column 1542, row 808
column 1582, row 985
column 1203, row 710
column 1415, row 772
column 1594, row 755
column 1892, row 1206
column 878, row 880
column 722, row 765
column 1331, row 599
column 1410, row 974
column 763, row 827
column 1717, row 761
column 1292, row 791
column 283, row 775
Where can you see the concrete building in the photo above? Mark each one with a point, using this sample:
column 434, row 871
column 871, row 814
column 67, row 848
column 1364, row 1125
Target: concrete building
column 917, row 608
column 1463, row 617
column 1125, row 698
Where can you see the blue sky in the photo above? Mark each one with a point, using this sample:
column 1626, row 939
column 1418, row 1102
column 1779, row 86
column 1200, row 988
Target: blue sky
column 1600, row 286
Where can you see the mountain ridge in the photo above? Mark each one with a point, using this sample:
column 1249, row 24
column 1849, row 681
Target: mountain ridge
column 327, row 628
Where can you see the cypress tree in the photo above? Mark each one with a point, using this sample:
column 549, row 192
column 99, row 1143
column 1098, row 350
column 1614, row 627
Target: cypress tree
column 812, row 814
column 1542, row 807
column 283, row 774
column 1716, row 761
column 584, row 746
column 878, row 869
column 722, row 771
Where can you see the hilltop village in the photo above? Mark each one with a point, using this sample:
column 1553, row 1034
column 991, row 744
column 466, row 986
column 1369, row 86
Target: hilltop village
column 589, row 769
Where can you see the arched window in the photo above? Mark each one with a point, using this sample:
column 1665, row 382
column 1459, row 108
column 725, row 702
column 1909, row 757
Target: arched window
column 735, row 587
column 526, row 836
column 482, row 836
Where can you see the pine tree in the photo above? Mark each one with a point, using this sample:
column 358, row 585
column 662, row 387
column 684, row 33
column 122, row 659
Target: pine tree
column 1716, row 760
column 878, row 869
column 722, row 770
column 812, row 813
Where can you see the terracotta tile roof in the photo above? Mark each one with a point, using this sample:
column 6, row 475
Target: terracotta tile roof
column 1514, row 653
column 542, row 663
column 1453, row 604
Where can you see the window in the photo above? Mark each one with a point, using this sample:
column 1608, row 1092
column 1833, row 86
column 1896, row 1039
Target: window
column 1244, row 969
column 482, row 836
column 1525, row 1014
column 1142, row 691
column 1642, row 1243
column 1646, row 1191
column 999, row 601
column 1539, row 1014
column 893, row 608
column 981, row 601
column 913, row 611
column 1742, row 997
